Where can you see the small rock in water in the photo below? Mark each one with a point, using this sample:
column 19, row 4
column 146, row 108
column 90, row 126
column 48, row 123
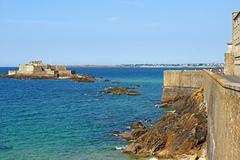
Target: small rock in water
column 83, row 78
column 106, row 80
column 120, row 91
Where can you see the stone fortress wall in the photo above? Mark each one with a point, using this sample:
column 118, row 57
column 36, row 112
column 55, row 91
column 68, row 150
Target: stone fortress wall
column 222, row 98
column 180, row 83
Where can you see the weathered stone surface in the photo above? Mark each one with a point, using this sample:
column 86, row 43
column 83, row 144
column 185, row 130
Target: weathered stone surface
column 223, row 102
column 121, row 90
column 232, row 57
column 183, row 79
column 183, row 132
column 229, row 64
column 222, row 99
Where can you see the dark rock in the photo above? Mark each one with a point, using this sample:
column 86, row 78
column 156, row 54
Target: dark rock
column 3, row 76
column 106, row 80
column 83, row 78
column 74, row 77
column 120, row 90
column 138, row 85
column 22, row 77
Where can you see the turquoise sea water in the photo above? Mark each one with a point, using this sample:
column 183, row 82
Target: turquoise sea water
column 66, row 120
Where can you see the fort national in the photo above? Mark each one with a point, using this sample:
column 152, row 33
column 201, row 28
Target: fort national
column 37, row 68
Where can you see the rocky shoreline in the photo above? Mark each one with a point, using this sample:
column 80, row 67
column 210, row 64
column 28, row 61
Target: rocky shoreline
column 178, row 135
column 74, row 77
column 27, row 76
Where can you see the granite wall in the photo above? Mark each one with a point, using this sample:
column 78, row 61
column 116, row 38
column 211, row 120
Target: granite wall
column 183, row 78
column 222, row 97
column 179, row 83
column 229, row 64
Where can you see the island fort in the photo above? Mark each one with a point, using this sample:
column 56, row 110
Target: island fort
column 37, row 68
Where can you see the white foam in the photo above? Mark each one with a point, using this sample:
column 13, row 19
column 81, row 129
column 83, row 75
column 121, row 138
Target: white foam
column 120, row 148
column 153, row 158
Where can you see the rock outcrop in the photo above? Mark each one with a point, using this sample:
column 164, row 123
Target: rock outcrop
column 74, row 77
column 120, row 91
column 83, row 78
column 178, row 135
column 19, row 76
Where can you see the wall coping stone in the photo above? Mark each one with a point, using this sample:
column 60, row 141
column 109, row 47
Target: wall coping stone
column 224, row 81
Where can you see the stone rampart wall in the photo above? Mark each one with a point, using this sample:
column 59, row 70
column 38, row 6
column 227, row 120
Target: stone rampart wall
column 229, row 64
column 180, row 83
column 222, row 98
column 183, row 78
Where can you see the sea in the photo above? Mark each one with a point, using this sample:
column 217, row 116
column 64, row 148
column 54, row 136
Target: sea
column 67, row 120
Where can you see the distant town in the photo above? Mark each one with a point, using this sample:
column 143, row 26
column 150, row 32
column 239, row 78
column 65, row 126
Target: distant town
column 187, row 65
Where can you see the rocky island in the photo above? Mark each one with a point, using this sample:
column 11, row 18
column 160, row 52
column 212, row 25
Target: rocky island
column 121, row 91
column 39, row 70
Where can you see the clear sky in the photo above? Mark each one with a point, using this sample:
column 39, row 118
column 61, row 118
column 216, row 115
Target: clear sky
column 114, row 31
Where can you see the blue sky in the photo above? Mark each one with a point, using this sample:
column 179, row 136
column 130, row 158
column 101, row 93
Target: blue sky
column 114, row 31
